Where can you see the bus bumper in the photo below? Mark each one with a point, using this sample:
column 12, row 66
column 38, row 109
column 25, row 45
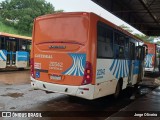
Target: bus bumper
column 149, row 69
column 83, row 91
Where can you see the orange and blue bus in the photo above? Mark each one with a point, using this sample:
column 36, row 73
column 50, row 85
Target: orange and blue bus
column 152, row 58
column 82, row 54
column 14, row 51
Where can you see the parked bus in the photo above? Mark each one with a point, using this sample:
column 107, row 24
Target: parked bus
column 84, row 55
column 152, row 58
column 14, row 51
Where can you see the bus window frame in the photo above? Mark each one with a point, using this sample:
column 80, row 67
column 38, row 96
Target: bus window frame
column 131, row 55
column 102, row 24
column 4, row 43
column 16, row 40
column 120, row 46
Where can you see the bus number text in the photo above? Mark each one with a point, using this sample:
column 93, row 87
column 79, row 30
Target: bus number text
column 100, row 73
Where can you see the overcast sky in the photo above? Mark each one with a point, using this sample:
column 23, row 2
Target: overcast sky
column 87, row 6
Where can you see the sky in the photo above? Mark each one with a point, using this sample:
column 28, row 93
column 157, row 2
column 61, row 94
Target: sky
column 88, row 6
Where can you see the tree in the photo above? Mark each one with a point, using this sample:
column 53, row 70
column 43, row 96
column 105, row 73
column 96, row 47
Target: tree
column 126, row 28
column 21, row 13
column 141, row 36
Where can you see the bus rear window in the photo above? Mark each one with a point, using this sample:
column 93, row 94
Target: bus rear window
column 58, row 29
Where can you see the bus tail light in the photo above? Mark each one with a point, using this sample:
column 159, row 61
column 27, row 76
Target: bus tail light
column 32, row 67
column 87, row 78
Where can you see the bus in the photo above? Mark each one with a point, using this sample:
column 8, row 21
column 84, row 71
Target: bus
column 152, row 58
column 14, row 51
column 82, row 54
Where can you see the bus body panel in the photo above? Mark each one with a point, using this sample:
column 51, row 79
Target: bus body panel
column 22, row 58
column 109, row 71
column 54, row 68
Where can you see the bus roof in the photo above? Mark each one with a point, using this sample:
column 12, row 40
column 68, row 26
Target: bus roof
column 15, row 36
column 61, row 14
column 119, row 28
column 147, row 42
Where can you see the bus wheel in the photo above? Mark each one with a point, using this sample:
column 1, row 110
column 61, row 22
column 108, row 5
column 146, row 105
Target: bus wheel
column 21, row 69
column 73, row 98
column 134, row 91
column 118, row 89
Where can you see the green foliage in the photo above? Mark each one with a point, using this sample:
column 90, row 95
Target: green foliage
column 126, row 28
column 158, row 44
column 20, row 14
column 12, row 30
column 143, row 37
column 146, row 38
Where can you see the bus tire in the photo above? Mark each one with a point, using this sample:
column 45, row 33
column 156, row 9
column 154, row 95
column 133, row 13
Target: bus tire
column 21, row 69
column 72, row 98
column 118, row 88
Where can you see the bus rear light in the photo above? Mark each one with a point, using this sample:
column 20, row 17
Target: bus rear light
column 87, row 78
column 32, row 67
column 88, row 71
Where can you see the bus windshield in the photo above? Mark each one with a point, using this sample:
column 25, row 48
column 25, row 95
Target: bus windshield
column 71, row 29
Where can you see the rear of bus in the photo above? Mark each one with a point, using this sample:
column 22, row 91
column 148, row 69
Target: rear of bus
column 60, row 60
column 150, row 59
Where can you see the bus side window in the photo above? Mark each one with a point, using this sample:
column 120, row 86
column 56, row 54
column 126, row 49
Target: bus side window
column 104, row 41
column 23, row 45
column 119, row 46
column 126, row 48
column 138, row 53
column 132, row 51
column 2, row 43
column 121, row 52
column 28, row 46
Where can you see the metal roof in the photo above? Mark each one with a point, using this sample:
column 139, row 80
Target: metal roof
column 144, row 15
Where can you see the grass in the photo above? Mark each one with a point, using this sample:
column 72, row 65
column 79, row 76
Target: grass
column 11, row 30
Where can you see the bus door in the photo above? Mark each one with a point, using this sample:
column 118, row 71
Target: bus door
column 11, row 46
column 140, row 55
column 22, row 54
column 131, row 61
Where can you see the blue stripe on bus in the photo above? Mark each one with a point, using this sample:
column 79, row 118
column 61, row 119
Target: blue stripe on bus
column 120, row 68
column 78, row 65
column 128, row 63
column 117, row 74
column 22, row 56
column 115, row 67
column 112, row 65
column 3, row 55
column 123, row 68
column 136, row 67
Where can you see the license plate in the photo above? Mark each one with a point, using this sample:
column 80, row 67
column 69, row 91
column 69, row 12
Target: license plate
column 55, row 77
